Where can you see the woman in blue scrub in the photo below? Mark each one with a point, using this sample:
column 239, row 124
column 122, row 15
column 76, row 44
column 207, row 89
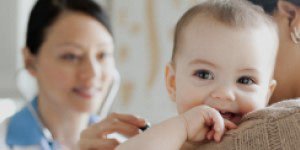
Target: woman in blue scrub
column 69, row 50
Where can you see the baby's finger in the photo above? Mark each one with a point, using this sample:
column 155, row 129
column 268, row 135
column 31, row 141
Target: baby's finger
column 218, row 135
column 229, row 125
column 210, row 134
column 219, row 126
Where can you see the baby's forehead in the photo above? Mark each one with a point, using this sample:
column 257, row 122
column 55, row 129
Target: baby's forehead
column 208, row 30
column 212, row 30
column 205, row 22
column 213, row 40
column 205, row 28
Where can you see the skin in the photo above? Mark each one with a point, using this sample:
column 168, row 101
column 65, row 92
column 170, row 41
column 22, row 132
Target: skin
column 287, row 17
column 231, row 86
column 209, row 80
column 211, row 64
column 74, row 69
column 94, row 137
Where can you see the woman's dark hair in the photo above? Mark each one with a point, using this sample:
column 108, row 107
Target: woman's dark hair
column 45, row 13
column 270, row 5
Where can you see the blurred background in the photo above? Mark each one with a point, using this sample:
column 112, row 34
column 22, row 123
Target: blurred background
column 143, row 30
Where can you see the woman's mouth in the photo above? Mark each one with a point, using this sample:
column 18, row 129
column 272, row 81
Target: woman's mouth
column 87, row 93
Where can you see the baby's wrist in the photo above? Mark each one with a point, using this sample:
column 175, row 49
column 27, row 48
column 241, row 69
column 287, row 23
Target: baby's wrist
column 185, row 125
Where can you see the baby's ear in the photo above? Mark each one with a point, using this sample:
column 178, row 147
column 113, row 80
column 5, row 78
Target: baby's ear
column 272, row 86
column 170, row 81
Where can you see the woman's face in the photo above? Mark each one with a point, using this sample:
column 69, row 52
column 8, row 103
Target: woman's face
column 75, row 64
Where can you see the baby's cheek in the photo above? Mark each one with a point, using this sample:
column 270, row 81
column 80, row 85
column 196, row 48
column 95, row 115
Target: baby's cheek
column 251, row 105
column 185, row 105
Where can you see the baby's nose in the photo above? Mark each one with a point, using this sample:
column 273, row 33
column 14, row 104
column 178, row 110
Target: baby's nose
column 223, row 93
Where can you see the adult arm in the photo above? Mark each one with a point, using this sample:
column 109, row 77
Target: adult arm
column 95, row 136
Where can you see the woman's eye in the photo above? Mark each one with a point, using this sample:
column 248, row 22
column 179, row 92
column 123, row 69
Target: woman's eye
column 102, row 55
column 70, row 57
column 246, row 80
column 204, row 74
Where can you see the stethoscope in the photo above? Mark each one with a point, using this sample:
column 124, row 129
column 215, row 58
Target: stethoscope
column 102, row 113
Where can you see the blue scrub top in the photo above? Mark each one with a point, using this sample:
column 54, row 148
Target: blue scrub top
column 24, row 130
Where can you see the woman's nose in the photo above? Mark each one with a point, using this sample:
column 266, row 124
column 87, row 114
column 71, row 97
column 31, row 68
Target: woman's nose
column 223, row 93
column 90, row 70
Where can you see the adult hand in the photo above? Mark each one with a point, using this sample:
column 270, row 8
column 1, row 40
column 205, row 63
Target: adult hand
column 95, row 136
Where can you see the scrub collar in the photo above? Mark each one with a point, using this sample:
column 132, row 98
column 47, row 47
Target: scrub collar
column 24, row 130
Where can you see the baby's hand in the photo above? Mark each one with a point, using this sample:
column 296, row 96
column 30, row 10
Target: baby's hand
column 204, row 122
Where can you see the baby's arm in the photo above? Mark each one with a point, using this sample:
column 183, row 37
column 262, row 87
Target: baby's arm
column 169, row 134
column 195, row 125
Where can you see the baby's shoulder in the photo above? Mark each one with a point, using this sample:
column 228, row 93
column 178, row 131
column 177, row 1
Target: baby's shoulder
column 268, row 128
column 281, row 110
column 290, row 103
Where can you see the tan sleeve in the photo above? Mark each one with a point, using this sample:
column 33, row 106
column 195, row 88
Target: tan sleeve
column 275, row 127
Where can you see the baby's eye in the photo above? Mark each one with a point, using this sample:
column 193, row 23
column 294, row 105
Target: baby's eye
column 246, row 80
column 204, row 74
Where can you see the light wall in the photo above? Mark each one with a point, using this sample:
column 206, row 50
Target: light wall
column 143, row 31
column 13, row 16
column 8, row 46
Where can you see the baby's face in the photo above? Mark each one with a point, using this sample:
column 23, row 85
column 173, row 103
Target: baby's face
column 223, row 67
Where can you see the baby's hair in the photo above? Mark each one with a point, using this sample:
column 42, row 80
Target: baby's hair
column 232, row 13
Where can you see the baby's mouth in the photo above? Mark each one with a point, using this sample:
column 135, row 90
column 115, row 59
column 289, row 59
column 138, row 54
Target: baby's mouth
column 233, row 117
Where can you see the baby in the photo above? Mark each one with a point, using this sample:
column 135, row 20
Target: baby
column 221, row 69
